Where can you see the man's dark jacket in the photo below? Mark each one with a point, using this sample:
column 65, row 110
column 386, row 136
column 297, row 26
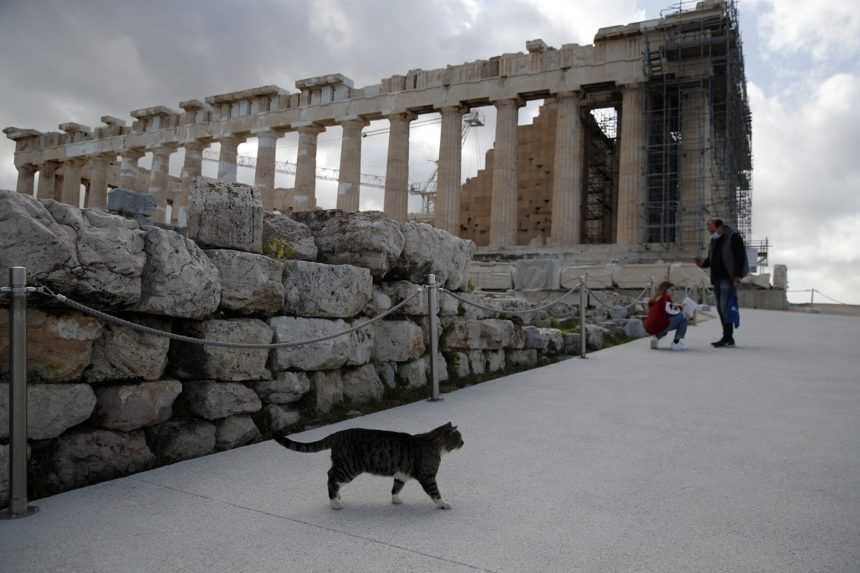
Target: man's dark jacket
column 727, row 256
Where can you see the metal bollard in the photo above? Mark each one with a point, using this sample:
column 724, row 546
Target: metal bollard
column 18, row 505
column 583, row 303
column 433, row 309
column 652, row 287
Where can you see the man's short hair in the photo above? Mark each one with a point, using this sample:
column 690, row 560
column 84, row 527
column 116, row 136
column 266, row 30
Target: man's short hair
column 717, row 223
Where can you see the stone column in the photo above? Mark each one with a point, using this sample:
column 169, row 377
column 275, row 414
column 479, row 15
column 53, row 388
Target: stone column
column 128, row 170
column 264, row 175
column 446, row 214
column 26, row 179
column 567, row 172
column 306, row 168
column 228, row 157
column 349, row 186
column 159, row 175
column 46, row 188
column 631, row 169
column 396, row 202
column 97, row 196
column 71, row 194
column 695, row 173
column 503, row 204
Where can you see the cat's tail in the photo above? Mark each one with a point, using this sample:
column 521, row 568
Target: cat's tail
column 318, row 446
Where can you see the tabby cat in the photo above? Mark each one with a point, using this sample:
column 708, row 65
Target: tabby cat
column 383, row 453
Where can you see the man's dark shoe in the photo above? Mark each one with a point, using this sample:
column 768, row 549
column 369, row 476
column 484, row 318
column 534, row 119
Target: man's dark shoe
column 730, row 343
column 720, row 343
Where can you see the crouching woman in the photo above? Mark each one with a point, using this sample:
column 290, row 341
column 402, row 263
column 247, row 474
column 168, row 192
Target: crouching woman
column 664, row 316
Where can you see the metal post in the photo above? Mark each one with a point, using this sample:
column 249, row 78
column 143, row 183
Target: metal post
column 433, row 309
column 18, row 506
column 583, row 303
column 653, row 287
column 811, row 296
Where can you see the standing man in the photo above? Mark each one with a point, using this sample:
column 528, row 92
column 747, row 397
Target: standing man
column 727, row 259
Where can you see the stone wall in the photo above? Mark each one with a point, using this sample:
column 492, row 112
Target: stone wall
column 107, row 400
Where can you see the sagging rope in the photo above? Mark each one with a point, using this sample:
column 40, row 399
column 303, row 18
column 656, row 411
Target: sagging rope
column 503, row 311
column 202, row 341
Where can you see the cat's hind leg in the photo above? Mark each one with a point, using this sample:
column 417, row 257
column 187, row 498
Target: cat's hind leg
column 336, row 478
column 429, row 485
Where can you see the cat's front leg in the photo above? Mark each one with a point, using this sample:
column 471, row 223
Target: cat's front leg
column 429, row 485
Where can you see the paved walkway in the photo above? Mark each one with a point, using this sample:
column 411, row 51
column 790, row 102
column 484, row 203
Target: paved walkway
column 732, row 460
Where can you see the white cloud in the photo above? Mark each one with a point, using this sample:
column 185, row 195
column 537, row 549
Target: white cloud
column 823, row 28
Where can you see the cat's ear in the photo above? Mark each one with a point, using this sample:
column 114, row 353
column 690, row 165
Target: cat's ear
column 449, row 425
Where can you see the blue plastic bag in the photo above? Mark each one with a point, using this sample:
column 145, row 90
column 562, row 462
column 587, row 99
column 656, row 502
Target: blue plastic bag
column 734, row 312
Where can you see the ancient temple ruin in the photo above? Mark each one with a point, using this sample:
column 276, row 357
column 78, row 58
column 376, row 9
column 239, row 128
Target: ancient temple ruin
column 674, row 151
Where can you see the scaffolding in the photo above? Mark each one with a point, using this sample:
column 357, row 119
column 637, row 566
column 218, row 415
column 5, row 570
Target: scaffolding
column 698, row 125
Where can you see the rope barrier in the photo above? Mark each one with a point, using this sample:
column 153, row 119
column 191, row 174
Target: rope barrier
column 503, row 311
column 193, row 340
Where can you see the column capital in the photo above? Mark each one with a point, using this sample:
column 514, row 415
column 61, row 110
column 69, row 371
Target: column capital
column 562, row 94
column 352, row 121
column 49, row 165
column 457, row 109
column 196, row 145
column 167, row 148
column 232, row 138
column 275, row 131
column 76, row 161
column 133, row 152
column 103, row 157
column 308, row 128
column 401, row 116
column 515, row 101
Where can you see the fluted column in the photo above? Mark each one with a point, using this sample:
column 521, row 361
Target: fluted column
column 631, row 199
column 567, row 172
column 349, row 186
column 26, row 179
column 159, row 175
column 228, row 157
column 128, row 170
column 446, row 214
column 264, row 175
column 97, row 195
column 306, row 168
column 47, row 185
column 695, row 173
column 396, row 202
column 503, row 204
column 71, row 193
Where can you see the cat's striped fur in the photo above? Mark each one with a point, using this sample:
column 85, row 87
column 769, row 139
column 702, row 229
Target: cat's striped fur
column 400, row 455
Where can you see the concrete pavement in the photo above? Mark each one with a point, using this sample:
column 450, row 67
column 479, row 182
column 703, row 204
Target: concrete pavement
column 633, row 460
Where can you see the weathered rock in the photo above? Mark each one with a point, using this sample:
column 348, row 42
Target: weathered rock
column 215, row 400
column 196, row 362
column 414, row 374
column 397, row 341
column 401, row 290
column 178, row 279
column 81, row 458
column 639, row 275
column 325, row 291
column 370, row 240
column 181, row 439
column 354, row 349
column 596, row 277
column 572, row 343
column 619, row 311
column 274, row 418
column 634, row 328
column 235, row 431
column 123, row 353
column 689, row 275
column 286, row 239
column 488, row 334
column 495, row 360
column 556, row 341
column 328, row 390
column 477, row 362
column 286, row 388
column 362, row 385
column 226, row 216
column 4, row 476
column 522, row 358
column 459, row 362
column 490, row 275
column 250, row 283
column 128, row 407
column 536, row 338
column 429, row 250
column 59, row 345
column 379, row 303
column 594, row 336
column 387, row 373
column 537, row 274
column 51, row 408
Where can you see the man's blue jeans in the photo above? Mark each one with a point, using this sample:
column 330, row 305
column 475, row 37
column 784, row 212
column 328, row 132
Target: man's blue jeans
column 678, row 323
column 723, row 289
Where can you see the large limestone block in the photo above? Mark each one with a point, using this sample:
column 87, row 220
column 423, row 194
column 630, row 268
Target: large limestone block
column 178, row 279
column 459, row 362
column 250, row 283
column 430, row 250
column 639, row 276
column 286, row 388
column 522, row 358
column 595, row 336
column 285, row 238
column 572, row 343
column 780, row 276
column 328, row 389
column 414, row 374
column 274, row 418
column 397, row 341
column 226, row 216
column 127, row 407
column 379, row 303
column 634, row 328
column 51, row 408
column 326, row 291
column 596, row 277
column 496, row 360
column 123, row 353
column 387, row 372
column 488, row 334
column 354, row 349
column 196, row 362
column 181, row 439
column 362, row 385
column 490, row 275
column 477, row 362
column 235, row 431
column 59, row 345
column 370, row 240
column 537, row 274
column 81, row 458
column 215, row 400
column 399, row 291
column 758, row 281
column 687, row 275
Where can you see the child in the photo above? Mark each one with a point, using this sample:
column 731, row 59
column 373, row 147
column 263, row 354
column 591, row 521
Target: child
column 663, row 316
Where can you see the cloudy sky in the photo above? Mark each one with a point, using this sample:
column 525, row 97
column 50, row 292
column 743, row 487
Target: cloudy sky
column 75, row 60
